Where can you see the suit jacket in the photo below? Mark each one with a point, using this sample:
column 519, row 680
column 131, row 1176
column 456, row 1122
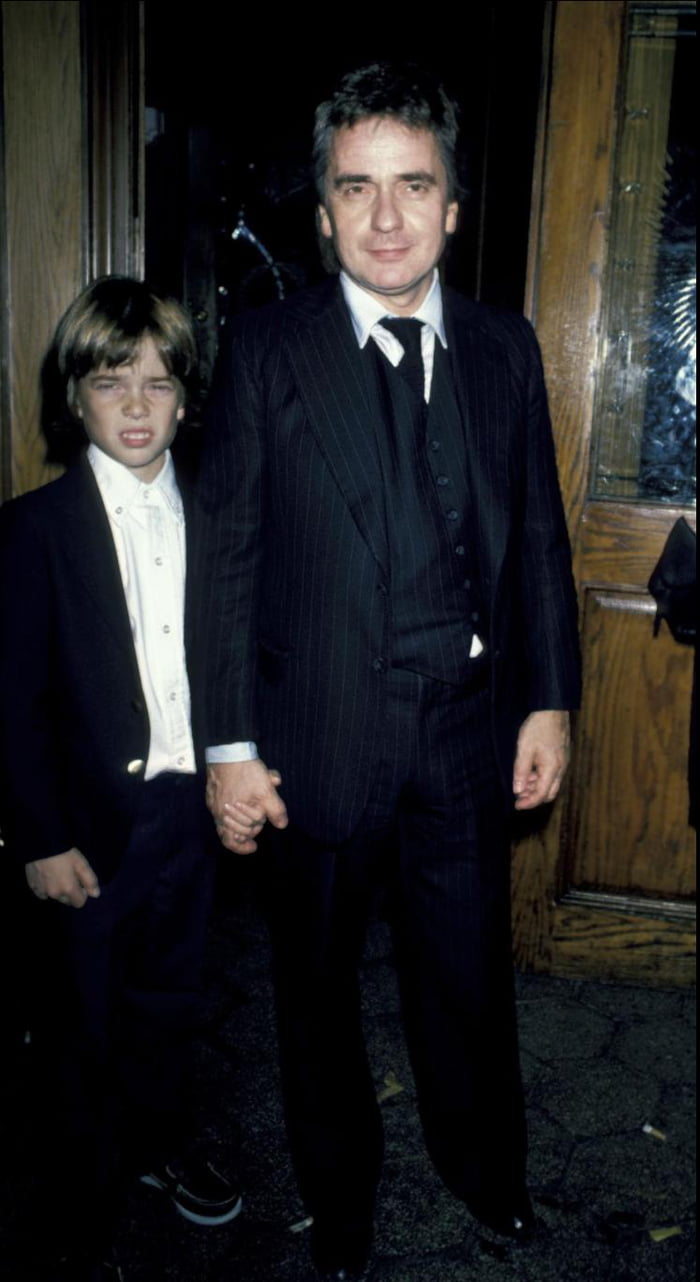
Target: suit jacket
column 298, row 576
column 74, row 730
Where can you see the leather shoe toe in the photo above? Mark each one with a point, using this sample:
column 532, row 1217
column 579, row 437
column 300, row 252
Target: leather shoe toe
column 515, row 1220
column 343, row 1275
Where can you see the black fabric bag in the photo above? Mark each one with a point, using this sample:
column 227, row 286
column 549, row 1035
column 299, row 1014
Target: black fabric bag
column 673, row 584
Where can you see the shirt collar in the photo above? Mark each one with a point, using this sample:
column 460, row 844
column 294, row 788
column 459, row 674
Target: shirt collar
column 366, row 311
column 121, row 489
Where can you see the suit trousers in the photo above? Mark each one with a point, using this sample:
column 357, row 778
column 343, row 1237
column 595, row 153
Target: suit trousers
column 434, row 840
column 118, row 1004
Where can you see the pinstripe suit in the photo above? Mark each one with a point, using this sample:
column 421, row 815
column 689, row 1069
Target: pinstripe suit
column 300, row 661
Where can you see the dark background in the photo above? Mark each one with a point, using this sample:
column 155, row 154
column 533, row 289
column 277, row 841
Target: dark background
column 230, row 101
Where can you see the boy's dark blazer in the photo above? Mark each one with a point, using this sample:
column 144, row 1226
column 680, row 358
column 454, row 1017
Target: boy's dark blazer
column 300, row 593
column 74, row 729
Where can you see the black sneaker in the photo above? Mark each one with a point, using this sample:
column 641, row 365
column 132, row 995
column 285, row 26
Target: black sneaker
column 198, row 1191
column 84, row 1268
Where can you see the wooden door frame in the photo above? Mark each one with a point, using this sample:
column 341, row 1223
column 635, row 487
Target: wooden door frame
column 555, row 931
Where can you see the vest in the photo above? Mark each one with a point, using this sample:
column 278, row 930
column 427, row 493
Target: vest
column 433, row 583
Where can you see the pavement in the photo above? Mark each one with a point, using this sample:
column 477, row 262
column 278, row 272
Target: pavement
column 609, row 1072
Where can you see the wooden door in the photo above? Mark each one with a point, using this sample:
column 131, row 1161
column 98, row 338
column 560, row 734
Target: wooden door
column 606, row 887
column 71, row 189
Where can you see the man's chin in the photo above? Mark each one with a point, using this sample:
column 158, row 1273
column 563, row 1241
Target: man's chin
column 407, row 290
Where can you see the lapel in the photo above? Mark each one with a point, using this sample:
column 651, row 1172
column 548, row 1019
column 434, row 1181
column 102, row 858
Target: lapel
column 195, row 573
column 89, row 548
column 330, row 377
column 482, row 388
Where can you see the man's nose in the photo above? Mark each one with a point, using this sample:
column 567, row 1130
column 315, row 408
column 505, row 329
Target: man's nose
column 386, row 214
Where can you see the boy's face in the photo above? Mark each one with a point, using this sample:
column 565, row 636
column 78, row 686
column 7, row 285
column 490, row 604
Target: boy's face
column 132, row 411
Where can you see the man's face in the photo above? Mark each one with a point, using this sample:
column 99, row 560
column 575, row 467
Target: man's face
column 387, row 210
column 132, row 411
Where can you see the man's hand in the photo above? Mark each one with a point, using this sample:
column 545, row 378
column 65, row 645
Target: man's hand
column 541, row 758
column 68, row 878
column 242, row 796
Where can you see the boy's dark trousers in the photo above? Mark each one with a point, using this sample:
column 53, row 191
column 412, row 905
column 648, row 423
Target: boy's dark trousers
column 120, row 1003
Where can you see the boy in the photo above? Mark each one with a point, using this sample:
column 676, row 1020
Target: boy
column 101, row 795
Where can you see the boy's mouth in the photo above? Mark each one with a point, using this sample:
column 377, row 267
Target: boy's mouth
column 136, row 437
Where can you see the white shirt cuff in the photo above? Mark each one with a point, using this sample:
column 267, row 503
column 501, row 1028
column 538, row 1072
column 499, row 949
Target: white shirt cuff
column 222, row 752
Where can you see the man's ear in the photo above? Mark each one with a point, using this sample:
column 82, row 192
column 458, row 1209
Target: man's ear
column 324, row 222
column 451, row 216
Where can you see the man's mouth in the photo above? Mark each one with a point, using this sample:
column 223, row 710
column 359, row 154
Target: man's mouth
column 387, row 253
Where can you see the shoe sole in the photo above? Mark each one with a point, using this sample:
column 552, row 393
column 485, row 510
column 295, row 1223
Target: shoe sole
column 194, row 1218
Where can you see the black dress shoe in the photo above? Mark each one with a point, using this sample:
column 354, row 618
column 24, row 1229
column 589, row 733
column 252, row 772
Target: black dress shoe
column 341, row 1252
column 514, row 1219
column 343, row 1275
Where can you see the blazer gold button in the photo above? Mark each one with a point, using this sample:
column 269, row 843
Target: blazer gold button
column 135, row 767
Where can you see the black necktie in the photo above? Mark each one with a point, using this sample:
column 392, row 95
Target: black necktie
column 408, row 331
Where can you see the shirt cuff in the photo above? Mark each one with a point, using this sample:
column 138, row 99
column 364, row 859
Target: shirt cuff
column 222, row 752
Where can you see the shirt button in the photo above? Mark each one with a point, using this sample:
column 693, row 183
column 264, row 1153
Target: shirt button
column 172, row 696
column 435, row 446
column 452, row 515
column 166, row 627
column 118, row 510
column 181, row 761
column 460, row 550
column 147, row 494
column 159, row 560
column 379, row 665
column 442, row 480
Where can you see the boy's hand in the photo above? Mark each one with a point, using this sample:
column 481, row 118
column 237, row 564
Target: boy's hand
column 242, row 796
column 68, row 878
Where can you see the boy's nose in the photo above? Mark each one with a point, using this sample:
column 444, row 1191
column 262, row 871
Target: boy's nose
column 135, row 406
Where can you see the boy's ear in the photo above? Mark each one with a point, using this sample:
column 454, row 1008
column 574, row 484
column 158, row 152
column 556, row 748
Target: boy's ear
column 180, row 413
column 72, row 398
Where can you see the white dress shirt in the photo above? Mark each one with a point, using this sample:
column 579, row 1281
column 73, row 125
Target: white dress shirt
column 367, row 312
column 147, row 522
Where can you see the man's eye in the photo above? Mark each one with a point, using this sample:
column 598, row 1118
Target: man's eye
column 161, row 387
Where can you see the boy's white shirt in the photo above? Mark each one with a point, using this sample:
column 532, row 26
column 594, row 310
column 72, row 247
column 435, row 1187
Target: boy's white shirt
column 147, row 523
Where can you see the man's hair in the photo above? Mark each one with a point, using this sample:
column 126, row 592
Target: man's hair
column 105, row 326
column 404, row 92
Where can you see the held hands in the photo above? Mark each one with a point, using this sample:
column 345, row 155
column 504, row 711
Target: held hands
column 242, row 796
column 541, row 758
column 67, row 878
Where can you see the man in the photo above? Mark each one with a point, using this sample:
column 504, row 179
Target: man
column 393, row 624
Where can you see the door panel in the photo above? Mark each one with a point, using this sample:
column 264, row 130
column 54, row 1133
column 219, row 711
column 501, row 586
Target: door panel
column 629, row 832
